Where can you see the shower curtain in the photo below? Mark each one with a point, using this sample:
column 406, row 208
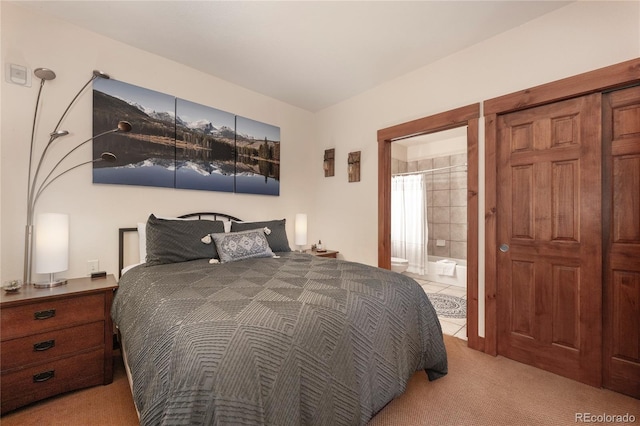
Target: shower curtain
column 409, row 232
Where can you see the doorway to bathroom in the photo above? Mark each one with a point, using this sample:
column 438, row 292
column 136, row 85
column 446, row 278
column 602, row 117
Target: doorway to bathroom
column 466, row 117
column 429, row 220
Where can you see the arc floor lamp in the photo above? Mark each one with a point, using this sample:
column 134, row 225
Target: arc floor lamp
column 35, row 185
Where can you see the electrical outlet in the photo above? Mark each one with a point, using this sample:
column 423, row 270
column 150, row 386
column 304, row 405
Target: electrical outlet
column 93, row 266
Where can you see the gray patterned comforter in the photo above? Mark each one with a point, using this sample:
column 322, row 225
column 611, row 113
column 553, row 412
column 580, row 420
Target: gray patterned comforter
column 291, row 341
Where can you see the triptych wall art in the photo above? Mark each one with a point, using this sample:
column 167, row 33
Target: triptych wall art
column 176, row 143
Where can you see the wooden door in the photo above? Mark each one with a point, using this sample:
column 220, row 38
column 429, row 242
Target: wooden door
column 549, row 279
column 621, row 212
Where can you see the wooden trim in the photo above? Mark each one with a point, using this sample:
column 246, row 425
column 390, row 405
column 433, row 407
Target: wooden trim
column 464, row 116
column 472, row 233
column 432, row 124
column 490, row 232
column 607, row 204
column 384, row 204
column 614, row 76
column 599, row 80
column 108, row 337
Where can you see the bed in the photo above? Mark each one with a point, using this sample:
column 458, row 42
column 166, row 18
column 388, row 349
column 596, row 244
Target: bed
column 280, row 339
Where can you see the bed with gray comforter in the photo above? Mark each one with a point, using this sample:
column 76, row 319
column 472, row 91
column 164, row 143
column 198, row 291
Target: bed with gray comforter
column 294, row 340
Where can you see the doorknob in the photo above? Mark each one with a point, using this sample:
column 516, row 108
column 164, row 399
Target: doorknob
column 504, row 248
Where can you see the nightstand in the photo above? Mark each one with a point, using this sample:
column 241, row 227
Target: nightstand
column 328, row 253
column 55, row 340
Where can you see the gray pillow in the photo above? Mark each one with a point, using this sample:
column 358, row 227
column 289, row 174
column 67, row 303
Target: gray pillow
column 277, row 239
column 172, row 241
column 242, row 245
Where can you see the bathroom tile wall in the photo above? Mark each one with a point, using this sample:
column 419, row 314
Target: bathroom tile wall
column 446, row 202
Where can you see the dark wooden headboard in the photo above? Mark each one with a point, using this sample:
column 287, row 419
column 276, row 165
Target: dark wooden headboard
column 200, row 215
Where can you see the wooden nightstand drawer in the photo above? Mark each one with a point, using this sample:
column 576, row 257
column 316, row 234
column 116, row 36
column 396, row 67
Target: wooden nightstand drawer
column 44, row 380
column 43, row 316
column 24, row 351
column 55, row 340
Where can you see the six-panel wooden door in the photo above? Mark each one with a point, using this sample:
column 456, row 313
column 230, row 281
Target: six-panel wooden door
column 549, row 230
column 621, row 213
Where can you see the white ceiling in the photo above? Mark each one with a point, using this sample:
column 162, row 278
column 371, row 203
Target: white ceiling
column 311, row 54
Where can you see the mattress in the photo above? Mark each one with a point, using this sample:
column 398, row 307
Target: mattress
column 292, row 340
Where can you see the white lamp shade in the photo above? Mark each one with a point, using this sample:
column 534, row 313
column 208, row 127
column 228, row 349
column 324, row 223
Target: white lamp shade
column 301, row 229
column 52, row 243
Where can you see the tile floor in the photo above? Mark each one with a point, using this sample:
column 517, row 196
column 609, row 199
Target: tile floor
column 456, row 327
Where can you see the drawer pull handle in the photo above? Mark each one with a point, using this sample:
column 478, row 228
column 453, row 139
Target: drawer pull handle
column 43, row 346
column 43, row 315
column 44, row 376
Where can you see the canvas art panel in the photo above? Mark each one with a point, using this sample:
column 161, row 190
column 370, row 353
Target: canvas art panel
column 146, row 155
column 176, row 143
column 205, row 144
column 257, row 157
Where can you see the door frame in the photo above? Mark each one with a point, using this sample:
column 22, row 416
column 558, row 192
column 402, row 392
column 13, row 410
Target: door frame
column 602, row 79
column 463, row 116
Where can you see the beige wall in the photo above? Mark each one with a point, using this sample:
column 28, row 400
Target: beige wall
column 577, row 38
column 97, row 211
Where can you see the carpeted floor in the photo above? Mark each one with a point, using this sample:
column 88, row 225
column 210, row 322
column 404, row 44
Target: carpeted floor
column 110, row 405
column 484, row 390
column 479, row 390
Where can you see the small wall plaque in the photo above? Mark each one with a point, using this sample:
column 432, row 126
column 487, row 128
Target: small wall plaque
column 354, row 166
column 329, row 162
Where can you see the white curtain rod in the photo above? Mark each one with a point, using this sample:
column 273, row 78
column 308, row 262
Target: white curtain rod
column 431, row 170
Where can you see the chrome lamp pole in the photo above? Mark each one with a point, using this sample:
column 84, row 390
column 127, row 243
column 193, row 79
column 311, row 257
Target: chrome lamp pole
column 35, row 186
